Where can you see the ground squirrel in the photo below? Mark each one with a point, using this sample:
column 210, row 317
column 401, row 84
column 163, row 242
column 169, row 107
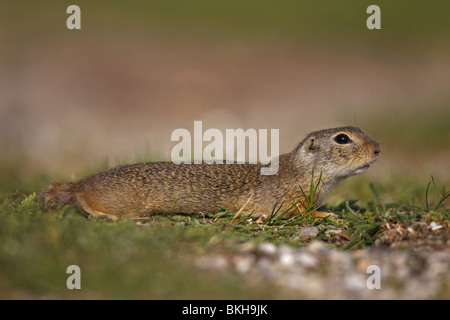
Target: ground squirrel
column 140, row 190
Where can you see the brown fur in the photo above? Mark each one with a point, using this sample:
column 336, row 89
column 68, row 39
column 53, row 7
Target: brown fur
column 140, row 190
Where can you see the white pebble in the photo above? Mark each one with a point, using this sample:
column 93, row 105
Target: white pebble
column 328, row 232
column 306, row 259
column 287, row 259
column 435, row 226
column 267, row 248
column 308, row 232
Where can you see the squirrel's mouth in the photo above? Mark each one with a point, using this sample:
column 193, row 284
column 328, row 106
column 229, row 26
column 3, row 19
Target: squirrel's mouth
column 365, row 167
column 362, row 169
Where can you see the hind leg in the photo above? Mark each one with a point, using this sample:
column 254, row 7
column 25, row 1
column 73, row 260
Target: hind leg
column 85, row 206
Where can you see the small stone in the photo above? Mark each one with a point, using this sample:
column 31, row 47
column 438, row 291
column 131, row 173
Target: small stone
column 247, row 247
column 267, row 248
column 355, row 282
column 328, row 232
column 306, row 259
column 435, row 226
column 287, row 259
column 216, row 262
column 308, row 232
column 285, row 248
column 244, row 263
column 316, row 247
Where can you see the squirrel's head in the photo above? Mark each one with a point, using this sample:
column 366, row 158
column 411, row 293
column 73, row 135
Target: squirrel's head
column 338, row 152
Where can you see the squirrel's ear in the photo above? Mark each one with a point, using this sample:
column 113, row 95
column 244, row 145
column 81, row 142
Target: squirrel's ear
column 311, row 145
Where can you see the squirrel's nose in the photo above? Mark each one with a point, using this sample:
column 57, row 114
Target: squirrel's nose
column 377, row 150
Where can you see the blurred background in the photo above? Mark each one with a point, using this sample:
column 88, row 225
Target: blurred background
column 76, row 101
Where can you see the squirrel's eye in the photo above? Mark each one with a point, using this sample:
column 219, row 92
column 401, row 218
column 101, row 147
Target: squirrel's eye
column 342, row 139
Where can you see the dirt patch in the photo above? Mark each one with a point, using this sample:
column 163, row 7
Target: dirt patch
column 319, row 272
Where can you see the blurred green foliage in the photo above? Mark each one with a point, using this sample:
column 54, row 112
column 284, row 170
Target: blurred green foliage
column 265, row 18
column 117, row 261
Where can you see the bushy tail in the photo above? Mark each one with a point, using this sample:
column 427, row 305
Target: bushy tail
column 56, row 196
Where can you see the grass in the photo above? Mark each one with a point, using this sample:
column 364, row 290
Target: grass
column 438, row 202
column 120, row 260
column 154, row 258
column 302, row 217
column 218, row 21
